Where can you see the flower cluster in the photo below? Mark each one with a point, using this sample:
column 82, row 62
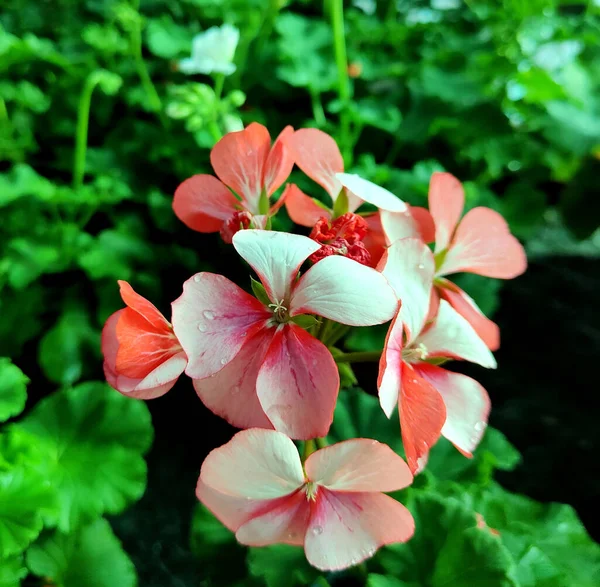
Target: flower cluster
column 267, row 363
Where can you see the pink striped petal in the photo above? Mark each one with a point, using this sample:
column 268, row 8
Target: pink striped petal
column 298, row 383
column 369, row 192
column 231, row 393
column 452, row 336
column 483, row 245
column 279, row 162
column 319, row 157
column 389, row 381
column 275, row 256
column 446, row 203
column 203, row 203
column 302, row 209
column 359, row 464
column 465, row 305
column 254, row 464
column 397, row 225
column 343, row 290
column 467, row 406
column 212, row 319
column 409, row 267
column 347, row 528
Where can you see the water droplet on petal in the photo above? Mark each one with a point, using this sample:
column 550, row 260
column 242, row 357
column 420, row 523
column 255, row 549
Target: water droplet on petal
column 318, row 530
column 201, row 327
column 197, row 278
column 421, row 266
column 480, row 426
column 223, row 361
column 208, row 315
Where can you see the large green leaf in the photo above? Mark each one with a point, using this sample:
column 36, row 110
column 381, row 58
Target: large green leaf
column 281, row 565
column 12, row 570
column 13, row 389
column 94, row 439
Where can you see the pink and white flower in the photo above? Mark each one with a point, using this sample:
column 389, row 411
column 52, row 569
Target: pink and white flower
column 256, row 486
column 251, row 363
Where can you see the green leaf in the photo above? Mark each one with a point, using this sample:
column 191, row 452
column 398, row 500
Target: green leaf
column 13, row 389
column 90, row 557
column 94, row 439
column 366, row 338
column 167, row 39
column 12, row 570
column 259, row 291
column 375, row 580
column 281, row 565
column 305, row 321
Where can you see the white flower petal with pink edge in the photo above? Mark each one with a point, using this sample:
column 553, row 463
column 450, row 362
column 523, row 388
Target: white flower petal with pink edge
column 359, row 464
column 452, row 336
column 347, row 528
column 397, row 225
column 409, row 267
column 254, row 464
column 446, row 203
column 389, row 381
column 275, row 256
column 369, row 192
column 343, row 290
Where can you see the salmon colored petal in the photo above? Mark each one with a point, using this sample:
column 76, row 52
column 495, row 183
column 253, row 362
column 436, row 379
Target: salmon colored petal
column 212, row 319
column 143, row 307
column 239, row 160
column 397, row 225
column 465, row 305
column 446, row 203
column 298, row 384
column 369, row 192
column 467, row 406
column 483, row 245
column 359, row 464
column 275, row 256
column 409, row 267
column 422, row 416
column 347, row 528
column 203, row 203
column 319, row 157
column 389, row 380
column 254, row 464
column 285, row 523
column 302, row 209
column 343, row 290
column 425, row 223
column 452, row 336
column 374, row 240
column 279, row 162
column 231, row 393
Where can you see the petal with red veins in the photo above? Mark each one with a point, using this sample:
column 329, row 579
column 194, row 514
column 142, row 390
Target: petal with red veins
column 452, row 336
column 275, row 256
column 369, row 192
column 465, row 305
column 302, row 209
column 298, row 383
column 467, row 406
column 343, row 290
column 446, row 203
column 231, row 393
column 239, row 160
column 389, row 381
column 347, row 528
column 319, row 157
column 483, row 245
column 279, row 162
column 409, row 267
column 359, row 464
column 422, row 416
column 254, row 464
column 397, row 225
column 203, row 203
column 212, row 319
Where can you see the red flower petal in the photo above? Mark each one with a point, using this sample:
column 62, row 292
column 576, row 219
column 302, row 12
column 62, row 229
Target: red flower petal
column 446, row 203
column 302, row 209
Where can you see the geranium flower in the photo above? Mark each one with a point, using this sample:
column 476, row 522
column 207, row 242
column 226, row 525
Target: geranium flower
column 244, row 162
column 431, row 400
column 212, row 51
column 142, row 356
column 480, row 243
column 252, row 364
column 335, row 508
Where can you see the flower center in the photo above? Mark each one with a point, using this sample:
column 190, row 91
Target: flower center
column 280, row 311
column 415, row 354
column 311, row 490
column 236, row 222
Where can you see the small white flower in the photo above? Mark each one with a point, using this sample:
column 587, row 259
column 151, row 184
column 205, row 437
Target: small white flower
column 212, row 51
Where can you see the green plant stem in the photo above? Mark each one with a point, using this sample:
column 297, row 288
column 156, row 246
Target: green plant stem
column 359, row 357
column 81, row 132
column 213, row 125
column 317, row 108
column 321, row 442
column 309, row 447
column 326, row 325
column 337, row 332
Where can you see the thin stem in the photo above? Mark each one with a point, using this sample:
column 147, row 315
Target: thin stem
column 321, row 442
column 310, row 446
column 81, row 132
column 317, row 108
column 219, row 83
column 337, row 332
column 358, row 357
column 213, row 124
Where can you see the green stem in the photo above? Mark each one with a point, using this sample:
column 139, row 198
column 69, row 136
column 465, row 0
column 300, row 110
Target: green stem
column 358, row 357
column 310, row 446
column 337, row 332
column 321, row 442
column 81, row 132
column 219, row 83
column 213, row 125
column 317, row 108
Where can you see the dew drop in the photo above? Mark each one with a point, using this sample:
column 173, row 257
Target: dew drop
column 318, row 530
column 208, row 315
column 223, row 361
column 421, row 266
column 480, row 426
column 201, row 327
column 197, row 278
column 315, row 362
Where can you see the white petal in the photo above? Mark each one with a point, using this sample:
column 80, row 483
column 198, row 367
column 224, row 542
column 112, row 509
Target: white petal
column 371, row 193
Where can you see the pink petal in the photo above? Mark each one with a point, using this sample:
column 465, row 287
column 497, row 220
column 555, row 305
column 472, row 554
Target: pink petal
column 422, row 416
column 425, row 223
column 369, row 192
column 203, row 203
column 389, row 381
column 397, row 225
column 483, row 245
column 374, row 240
column 298, row 383
column 467, row 406
column 359, row 464
column 318, row 156
column 279, row 162
column 285, row 523
column 343, row 290
column 452, row 336
column 143, row 307
column 302, row 209
column 446, row 203
column 231, row 393
column 275, row 256
column 254, row 464
column 239, row 160
column 347, row 528
column 409, row 267
column 465, row 305
column 212, row 319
